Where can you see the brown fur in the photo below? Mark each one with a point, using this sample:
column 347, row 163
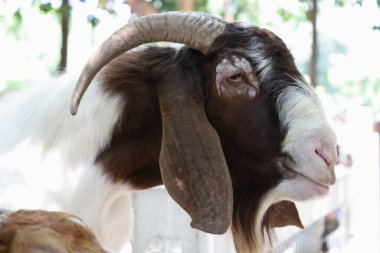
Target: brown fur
column 41, row 231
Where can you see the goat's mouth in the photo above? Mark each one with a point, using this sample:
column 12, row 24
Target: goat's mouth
column 322, row 185
column 319, row 188
column 326, row 179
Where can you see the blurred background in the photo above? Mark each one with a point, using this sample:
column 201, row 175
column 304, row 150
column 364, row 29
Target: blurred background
column 336, row 45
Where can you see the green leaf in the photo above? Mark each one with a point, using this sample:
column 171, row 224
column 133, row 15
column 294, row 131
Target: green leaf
column 165, row 5
column 284, row 14
column 15, row 27
column 45, row 8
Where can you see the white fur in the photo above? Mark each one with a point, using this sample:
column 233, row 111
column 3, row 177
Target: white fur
column 308, row 131
column 297, row 189
column 47, row 155
column 264, row 63
column 104, row 206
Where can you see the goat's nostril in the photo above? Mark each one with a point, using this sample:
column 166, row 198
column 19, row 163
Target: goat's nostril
column 328, row 154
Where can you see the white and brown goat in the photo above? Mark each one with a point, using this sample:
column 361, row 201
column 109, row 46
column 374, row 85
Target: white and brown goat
column 227, row 123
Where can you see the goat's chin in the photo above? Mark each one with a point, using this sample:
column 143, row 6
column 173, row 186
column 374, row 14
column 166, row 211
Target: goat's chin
column 312, row 188
column 302, row 188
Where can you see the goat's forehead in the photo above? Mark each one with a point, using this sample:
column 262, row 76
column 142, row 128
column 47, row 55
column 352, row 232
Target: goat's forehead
column 233, row 62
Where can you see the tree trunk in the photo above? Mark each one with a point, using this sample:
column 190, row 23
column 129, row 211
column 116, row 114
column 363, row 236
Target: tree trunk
column 186, row 5
column 141, row 7
column 314, row 46
column 64, row 12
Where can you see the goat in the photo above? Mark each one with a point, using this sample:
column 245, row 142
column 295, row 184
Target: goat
column 41, row 231
column 227, row 123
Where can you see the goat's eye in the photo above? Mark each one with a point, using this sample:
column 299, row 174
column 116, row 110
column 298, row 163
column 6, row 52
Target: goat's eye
column 236, row 79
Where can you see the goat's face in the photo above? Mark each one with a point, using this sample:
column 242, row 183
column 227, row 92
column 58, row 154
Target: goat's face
column 256, row 140
column 274, row 134
column 270, row 111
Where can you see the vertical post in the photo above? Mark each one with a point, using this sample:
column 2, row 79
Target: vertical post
column 186, row 5
column 314, row 46
column 64, row 12
column 376, row 129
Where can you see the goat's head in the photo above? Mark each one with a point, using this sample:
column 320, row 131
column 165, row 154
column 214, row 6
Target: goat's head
column 243, row 136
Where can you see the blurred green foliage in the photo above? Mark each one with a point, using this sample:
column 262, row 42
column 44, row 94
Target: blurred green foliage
column 252, row 11
column 13, row 85
column 45, row 7
column 14, row 27
column 172, row 5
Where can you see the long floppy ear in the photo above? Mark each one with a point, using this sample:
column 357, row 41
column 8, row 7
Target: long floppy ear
column 192, row 162
column 284, row 213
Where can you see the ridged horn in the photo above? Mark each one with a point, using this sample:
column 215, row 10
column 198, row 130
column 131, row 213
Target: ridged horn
column 195, row 29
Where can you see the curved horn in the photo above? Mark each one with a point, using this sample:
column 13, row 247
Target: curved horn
column 195, row 29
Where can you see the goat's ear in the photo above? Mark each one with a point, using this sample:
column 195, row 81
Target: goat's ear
column 193, row 167
column 283, row 213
